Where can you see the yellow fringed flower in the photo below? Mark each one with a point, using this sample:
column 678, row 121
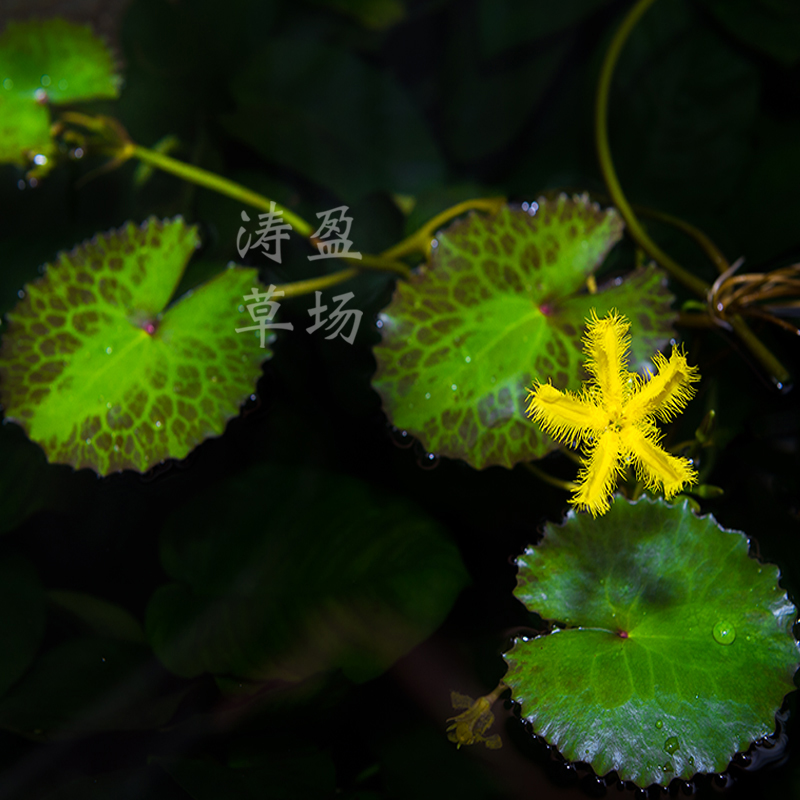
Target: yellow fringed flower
column 615, row 415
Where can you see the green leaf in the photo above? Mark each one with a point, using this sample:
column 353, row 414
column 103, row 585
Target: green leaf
column 307, row 773
column 329, row 573
column 41, row 62
column 373, row 124
column 770, row 26
column 86, row 685
column 98, row 616
column 25, row 478
column 132, row 783
column 505, row 25
column 502, row 304
column 22, row 614
column 377, row 15
column 678, row 648
column 102, row 376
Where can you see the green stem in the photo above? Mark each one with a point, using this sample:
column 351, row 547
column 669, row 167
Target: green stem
column 420, row 241
column 706, row 245
column 567, row 486
column 780, row 377
column 317, row 284
column 635, row 228
column 201, row 177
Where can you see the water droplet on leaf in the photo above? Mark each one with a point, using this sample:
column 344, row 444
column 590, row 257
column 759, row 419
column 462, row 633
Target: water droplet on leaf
column 724, row 633
column 659, row 724
column 672, row 744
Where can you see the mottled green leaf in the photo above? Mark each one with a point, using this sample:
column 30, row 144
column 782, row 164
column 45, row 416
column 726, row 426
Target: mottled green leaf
column 321, row 572
column 22, row 613
column 502, row 303
column 98, row 372
column 41, row 62
column 678, row 648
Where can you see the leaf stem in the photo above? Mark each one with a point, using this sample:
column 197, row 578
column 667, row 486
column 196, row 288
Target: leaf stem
column 420, row 241
column 635, row 228
column 210, row 180
column 778, row 373
column 299, row 288
column 567, row 486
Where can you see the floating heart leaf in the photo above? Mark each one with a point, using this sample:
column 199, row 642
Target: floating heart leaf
column 329, row 573
column 678, row 649
column 101, row 376
column 500, row 305
column 50, row 61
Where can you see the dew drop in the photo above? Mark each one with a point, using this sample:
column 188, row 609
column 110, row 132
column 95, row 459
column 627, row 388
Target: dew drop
column 427, row 395
column 116, row 448
column 20, row 294
column 400, row 438
column 659, row 724
column 78, row 152
column 241, row 309
column 724, row 632
column 40, row 159
column 454, row 387
column 672, row 744
column 252, row 397
column 379, row 323
column 108, row 350
column 88, row 441
column 108, row 405
column 158, row 423
column 434, row 244
column 40, row 95
column 467, row 359
column 46, row 81
column 428, row 461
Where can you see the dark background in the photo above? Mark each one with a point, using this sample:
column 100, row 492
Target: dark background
column 322, row 103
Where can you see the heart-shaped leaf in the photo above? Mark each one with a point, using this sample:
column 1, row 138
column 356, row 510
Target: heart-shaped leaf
column 678, row 648
column 22, row 615
column 41, row 62
column 502, row 303
column 330, row 573
column 101, row 376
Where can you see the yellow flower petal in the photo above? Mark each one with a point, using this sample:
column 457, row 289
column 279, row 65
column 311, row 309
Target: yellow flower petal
column 654, row 465
column 667, row 392
column 565, row 416
column 606, row 344
column 598, row 476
